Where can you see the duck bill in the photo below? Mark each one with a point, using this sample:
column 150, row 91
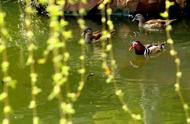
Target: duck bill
column 133, row 19
column 82, row 34
column 131, row 48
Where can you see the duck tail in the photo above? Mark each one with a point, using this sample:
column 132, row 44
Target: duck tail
column 173, row 20
column 170, row 21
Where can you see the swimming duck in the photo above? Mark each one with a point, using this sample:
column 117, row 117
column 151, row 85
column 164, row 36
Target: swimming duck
column 151, row 25
column 92, row 37
column 147, row 49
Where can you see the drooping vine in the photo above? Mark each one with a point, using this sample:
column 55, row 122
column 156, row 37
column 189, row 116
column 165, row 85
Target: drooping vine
column 31, row 60
column 177, row 61
column 107, row 54
column 57, row 44
column 7, row 80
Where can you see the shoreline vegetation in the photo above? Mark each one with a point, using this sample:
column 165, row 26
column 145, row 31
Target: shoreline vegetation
column 122, row 8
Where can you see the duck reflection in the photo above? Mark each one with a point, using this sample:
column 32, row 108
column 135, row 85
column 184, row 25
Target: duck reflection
column 93, row 51
column 138, row 61
column 150, row 94
column 150, row 103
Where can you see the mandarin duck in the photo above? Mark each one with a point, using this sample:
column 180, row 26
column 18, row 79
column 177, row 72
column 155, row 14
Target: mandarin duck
column 147, row 49
column 92, row 37
column 153, row 24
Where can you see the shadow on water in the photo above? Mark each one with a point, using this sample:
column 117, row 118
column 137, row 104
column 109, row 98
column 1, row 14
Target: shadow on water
column 148, row 83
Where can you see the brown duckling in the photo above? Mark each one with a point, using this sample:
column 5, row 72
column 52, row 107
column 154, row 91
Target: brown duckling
column 153, row 24
column 147, row 49
column 92, row 37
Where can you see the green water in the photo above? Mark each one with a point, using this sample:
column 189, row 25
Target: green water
column 148, row 83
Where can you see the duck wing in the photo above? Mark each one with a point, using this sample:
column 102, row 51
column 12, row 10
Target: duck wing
column 159, row 21
column 155, row 48
column 147, row 45
column 97, row 32
column 153, row 27
column 96, row 35
column 153, row 21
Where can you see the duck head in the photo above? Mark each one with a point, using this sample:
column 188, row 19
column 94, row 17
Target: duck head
column 138, row 47
column 139, row 18
column 87, row 34
column 86, row 31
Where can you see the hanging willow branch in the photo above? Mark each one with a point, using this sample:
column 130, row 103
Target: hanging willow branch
column 109, row 68
column 31, row 61
column 177, row 61
column 7, row 80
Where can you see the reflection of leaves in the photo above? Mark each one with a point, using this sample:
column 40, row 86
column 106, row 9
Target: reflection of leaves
column 112, row 117
column 138, row 61
column 102, row 115
column 107, row 71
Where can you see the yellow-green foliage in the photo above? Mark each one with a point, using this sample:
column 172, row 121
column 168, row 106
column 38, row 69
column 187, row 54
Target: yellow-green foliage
column 31, row 61
column 107, row 54
column 7, row 80
column 177, row 61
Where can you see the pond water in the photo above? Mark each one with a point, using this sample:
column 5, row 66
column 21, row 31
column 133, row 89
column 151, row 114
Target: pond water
column 148, row 83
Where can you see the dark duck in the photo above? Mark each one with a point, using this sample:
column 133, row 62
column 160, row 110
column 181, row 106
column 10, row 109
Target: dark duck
column 147, row 49
column 91, row 36
column 151, row 25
